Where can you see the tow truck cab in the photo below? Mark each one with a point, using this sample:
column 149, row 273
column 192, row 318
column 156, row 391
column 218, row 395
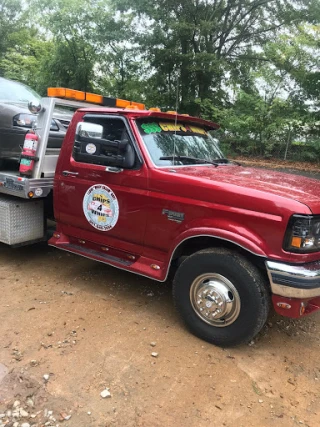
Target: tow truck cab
column 151, row 192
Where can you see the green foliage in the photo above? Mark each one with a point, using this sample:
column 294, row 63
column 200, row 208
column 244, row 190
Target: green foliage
column 252, row 66
column 70, row 25
column 196, row 46
column 11, row 22
column 26, row 62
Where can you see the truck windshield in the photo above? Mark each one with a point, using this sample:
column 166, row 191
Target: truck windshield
column 170, row 143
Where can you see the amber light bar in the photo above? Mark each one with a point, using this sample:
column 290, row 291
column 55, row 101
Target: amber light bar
column 76, row 95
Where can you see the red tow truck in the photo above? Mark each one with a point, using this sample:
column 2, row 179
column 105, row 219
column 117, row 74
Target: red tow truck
column 151, row 193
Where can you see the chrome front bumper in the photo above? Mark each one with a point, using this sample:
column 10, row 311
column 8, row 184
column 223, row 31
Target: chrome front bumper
column 294, row 281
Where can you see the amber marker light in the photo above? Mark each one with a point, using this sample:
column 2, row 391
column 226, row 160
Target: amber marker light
column 284, row 305
column 296, row 242
column 122, row 103
column 139, row 105
column 131, row 107
column 30, row 194
column 57, row 92
column 61, row 92
column 75, row 94
column 94, row 98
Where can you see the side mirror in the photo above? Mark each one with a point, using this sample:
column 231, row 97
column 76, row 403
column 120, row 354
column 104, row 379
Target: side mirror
column 34, row 106
column 91, row 147
column 89, row 130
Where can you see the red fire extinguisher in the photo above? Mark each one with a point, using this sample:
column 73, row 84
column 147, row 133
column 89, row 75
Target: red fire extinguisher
column 28, row 155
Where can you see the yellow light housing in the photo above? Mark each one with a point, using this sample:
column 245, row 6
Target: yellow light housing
column 57, row 92
column 75, row 94
column 172, row 112
column 62, row 92
column 156, row 109
column 296, row 242
column 139, row 105
column 122, row 103
column 131, row 107
column 302, row 309
column 93, row 98
column 30, row 194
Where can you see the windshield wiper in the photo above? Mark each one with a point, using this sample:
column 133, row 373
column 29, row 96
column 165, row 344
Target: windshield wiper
column 224, row 161
column 191, row 159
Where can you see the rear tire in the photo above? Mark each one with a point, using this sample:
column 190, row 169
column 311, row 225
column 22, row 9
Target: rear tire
column 221, row 296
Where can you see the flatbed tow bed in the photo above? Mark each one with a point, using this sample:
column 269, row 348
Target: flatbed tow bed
column 23, row 200
column 40, row 183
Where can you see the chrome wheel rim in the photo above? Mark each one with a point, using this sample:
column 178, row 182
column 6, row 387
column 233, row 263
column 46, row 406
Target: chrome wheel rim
column 215, row 299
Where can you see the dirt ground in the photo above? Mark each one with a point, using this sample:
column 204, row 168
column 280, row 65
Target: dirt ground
column 71, row 327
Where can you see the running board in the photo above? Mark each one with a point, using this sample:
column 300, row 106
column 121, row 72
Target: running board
column 142, row 265
column 93, row 254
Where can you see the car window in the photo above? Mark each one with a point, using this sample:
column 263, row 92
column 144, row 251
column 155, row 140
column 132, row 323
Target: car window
column 103, row 144
column 14, row 91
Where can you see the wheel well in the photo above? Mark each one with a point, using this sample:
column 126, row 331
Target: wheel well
column 195, row 244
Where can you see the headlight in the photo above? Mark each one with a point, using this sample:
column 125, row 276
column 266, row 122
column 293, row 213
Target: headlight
column 303, row 234
column 24, row 120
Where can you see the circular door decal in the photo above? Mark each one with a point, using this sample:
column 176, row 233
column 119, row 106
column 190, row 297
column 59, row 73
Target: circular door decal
column 101, row 207
column 91, row 148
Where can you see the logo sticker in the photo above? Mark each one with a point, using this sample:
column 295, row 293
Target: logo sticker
column 101, row 207
column 91, row 148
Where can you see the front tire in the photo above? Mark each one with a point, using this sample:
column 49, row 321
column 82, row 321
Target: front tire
column 221, row 296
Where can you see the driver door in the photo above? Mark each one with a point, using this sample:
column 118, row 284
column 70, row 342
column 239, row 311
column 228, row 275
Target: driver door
column 103, row 204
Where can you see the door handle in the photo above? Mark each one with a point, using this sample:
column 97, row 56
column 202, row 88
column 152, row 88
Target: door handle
column 113, row 169
column 69, row 173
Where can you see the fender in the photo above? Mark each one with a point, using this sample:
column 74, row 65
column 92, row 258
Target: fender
column 254, row 244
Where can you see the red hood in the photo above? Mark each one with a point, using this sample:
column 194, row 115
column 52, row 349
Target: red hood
column 294, row 187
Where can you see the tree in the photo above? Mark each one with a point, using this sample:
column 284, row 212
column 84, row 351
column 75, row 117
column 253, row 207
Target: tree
column 199, row 44
column 26, row 61
column 70, row 25
column 11, row 21
column 120, row 69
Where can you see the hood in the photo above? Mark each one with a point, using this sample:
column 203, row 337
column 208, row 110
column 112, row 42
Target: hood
column 294, row 187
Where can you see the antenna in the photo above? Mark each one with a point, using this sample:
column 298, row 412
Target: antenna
column 175, row 122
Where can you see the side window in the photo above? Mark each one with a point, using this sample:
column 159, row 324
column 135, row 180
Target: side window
column 104, row 141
